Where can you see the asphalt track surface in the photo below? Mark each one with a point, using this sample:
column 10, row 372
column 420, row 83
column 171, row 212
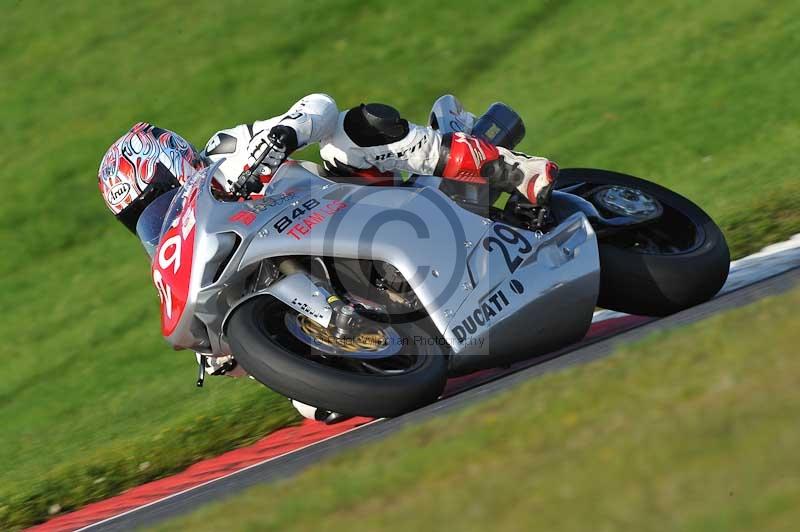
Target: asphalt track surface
column 291, row 464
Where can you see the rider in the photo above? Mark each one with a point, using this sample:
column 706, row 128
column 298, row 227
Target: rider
column 369, row 142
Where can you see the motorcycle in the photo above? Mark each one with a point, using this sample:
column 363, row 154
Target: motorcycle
column 363, row 300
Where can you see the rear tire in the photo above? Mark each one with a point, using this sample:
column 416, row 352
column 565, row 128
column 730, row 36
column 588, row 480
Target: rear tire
column 290, row 369
column 651, row 283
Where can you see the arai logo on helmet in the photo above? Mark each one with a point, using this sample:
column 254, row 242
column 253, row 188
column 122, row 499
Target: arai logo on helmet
column 118, row 193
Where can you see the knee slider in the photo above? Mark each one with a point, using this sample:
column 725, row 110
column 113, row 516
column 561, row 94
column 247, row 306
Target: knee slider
column 374, row 124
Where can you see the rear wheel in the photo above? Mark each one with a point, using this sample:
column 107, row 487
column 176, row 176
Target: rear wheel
column 677, row 260
column 385, row 370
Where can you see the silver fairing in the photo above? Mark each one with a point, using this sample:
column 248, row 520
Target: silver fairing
column 490, row 289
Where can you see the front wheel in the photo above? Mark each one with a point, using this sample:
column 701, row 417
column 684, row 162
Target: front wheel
column 384, row 372
column 675, row 261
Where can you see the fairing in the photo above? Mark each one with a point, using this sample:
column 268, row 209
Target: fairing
column 488, row 288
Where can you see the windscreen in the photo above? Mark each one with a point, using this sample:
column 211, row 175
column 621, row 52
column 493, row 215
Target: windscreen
column 160, row 215
column 148, row 228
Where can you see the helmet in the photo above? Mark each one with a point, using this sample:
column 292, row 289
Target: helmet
column 143, row 164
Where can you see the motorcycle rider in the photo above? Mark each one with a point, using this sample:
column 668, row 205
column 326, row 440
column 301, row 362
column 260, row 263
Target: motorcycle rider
column 368, row 142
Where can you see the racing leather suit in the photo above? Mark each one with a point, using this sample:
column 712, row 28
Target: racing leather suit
column 372, row 141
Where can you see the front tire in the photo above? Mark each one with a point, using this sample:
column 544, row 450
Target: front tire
column 266, row 350
column 640, row 273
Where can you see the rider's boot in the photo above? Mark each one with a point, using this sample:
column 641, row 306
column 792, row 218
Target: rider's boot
column 471, row 159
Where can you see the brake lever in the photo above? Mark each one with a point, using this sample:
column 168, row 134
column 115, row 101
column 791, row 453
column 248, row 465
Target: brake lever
column 245, row 184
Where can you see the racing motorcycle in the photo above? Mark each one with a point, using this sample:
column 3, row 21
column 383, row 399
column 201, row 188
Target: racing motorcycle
column 363, row 300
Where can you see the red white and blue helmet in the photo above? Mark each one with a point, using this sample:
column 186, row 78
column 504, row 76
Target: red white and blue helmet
column 143, row 164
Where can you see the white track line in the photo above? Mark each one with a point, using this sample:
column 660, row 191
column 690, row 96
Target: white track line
column 262, row 462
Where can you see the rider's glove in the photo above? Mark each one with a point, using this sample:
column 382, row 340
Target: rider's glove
column 268, row 150
column 278, row 143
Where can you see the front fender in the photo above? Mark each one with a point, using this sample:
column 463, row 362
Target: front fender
column 297, row 291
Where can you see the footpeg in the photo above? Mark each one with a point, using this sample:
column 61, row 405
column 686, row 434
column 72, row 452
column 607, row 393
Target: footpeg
column 201, row 375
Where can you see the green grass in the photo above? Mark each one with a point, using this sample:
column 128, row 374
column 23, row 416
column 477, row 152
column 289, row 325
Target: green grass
column 692, row 429
column 699, row 97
